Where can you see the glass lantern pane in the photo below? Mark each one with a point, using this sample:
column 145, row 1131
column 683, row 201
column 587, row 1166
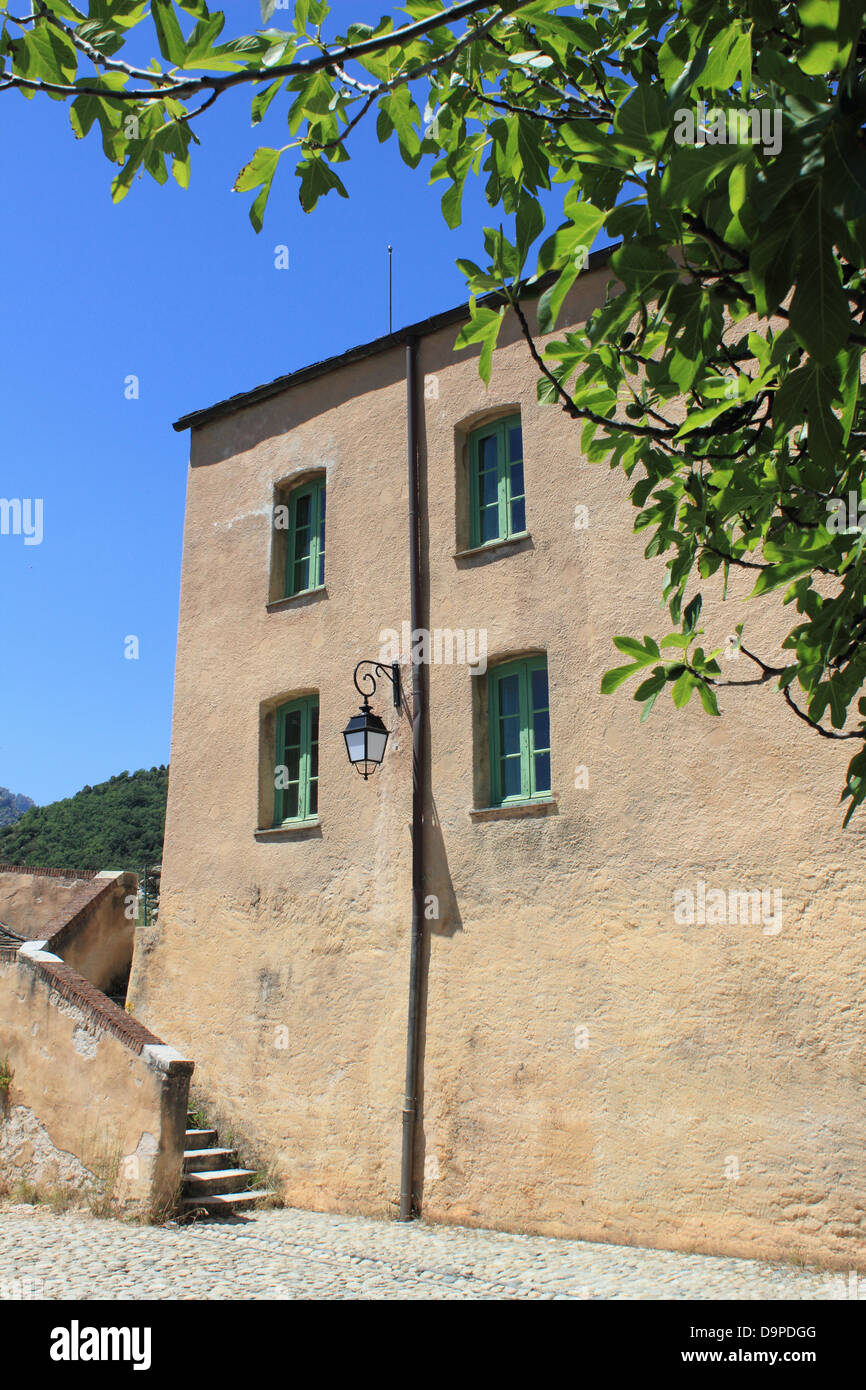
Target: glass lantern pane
column 355, row 745
column 376, row 745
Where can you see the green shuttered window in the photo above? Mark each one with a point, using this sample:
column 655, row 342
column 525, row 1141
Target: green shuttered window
column 519, row 712
column 498, row 499
column 305, row 551
column 296, row 775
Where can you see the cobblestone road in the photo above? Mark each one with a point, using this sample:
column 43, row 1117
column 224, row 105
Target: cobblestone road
column 299, row 1254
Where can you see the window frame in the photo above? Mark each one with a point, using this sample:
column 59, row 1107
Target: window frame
column 499, row 428
column 315, row 489
column 305, row 705
column 522, row 667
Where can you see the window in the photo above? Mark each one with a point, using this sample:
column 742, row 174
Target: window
column 305, row 550
column 296, row 775
column 498, row 499
column 519, row 714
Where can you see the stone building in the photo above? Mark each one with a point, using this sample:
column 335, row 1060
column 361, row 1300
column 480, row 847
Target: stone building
column 603, row 1051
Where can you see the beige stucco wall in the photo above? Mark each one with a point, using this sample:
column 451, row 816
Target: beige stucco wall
column 29, row 901
column 100, row 946
column 85, row 1110
column 88, row 920
column 591, row 1068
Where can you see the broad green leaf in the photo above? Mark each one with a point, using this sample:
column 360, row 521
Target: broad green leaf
column 317, row 178
column 168, row 31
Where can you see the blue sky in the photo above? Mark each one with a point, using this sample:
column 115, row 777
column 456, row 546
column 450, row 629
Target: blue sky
column 175, row 288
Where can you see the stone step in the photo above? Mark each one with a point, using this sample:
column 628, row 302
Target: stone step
column 200, row 1160
column 219, row 1180
column 225, row 1202
column 200, row 1139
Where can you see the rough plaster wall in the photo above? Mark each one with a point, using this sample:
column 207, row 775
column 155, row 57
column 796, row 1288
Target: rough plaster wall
column 28, row 1153
column 100, row 948
column 590, row 1067
column 81, row 1103
column 29, row 901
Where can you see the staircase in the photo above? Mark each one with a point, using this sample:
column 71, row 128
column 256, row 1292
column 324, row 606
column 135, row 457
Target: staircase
column 212, row 1180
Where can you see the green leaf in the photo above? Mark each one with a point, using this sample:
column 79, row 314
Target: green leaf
column 708, row 698
column 644, row 268
column 617, row 676
column 810, row 393
column 317, row 178
column 58, row 61
column 483, row 327
column 629, row 646
column 819, row 311
column 551, row 301
column 262, row 100
column 652, row 685
column 477, row 278
column 642, row 121
column 258, row 173
column 529, row 224
column 168, row 31
column 533, row 163
column 683, row 689
column 829, row 27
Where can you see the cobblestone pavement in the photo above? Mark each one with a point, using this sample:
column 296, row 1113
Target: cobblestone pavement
column 300, row 1254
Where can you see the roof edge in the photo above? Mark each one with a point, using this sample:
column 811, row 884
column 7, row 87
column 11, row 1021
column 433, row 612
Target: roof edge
column 398, row 337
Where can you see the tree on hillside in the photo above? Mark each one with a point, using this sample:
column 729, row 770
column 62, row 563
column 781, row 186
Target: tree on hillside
column 721, row 145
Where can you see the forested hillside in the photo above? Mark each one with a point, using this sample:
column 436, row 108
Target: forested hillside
column 117, row 824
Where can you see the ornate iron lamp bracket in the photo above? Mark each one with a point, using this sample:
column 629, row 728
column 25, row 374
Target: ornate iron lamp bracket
column 392, row 672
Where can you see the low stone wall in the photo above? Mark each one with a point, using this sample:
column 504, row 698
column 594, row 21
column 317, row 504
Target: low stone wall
column 30, row 897
column 96, row 1102
column 97, row 939
column 85, row 917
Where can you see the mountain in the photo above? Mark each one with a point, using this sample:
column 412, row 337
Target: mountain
column 12, row 806
column 118, row 824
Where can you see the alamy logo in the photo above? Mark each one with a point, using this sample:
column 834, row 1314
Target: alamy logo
column 841, row 518
column 735, row 126
column 713, row 907
column 444, row 645
column 76, row 1343
column 22, row 516
column 18, row 1289
column 838, row 1287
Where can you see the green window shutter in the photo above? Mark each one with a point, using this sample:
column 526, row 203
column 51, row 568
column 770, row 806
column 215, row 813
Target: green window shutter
column 296, row 772
column 519, row 715
column 305, row 551
column 497, row 502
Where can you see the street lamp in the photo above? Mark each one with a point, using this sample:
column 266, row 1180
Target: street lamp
column 365, row 734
